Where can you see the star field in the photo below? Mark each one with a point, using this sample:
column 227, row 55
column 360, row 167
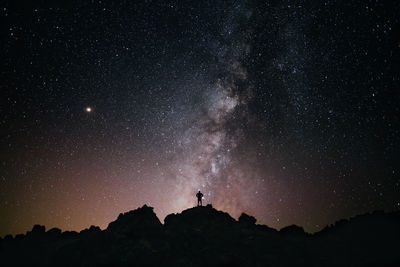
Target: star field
column 285, row 110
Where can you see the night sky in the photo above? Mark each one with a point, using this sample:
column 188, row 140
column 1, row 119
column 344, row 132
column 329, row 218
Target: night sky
column 285, row 110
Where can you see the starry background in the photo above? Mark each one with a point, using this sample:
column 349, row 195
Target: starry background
column 285, row 110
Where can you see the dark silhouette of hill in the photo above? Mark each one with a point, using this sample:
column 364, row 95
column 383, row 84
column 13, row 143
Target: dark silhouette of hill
column 203, row 236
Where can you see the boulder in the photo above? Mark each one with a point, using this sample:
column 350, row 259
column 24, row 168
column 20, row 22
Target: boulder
column 247, row 220
column 140, row 222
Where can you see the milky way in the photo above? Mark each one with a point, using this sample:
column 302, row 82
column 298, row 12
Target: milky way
column 206, row 147
column 287, row 111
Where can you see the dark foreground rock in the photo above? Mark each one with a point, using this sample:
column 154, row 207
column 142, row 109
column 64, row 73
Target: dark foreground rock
column 203, row 236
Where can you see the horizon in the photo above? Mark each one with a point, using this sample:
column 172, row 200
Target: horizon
column 236, row 218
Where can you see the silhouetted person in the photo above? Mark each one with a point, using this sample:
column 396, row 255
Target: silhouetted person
column 199, row 196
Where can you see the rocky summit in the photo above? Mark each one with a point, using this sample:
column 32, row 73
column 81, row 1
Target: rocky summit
column 204, row 236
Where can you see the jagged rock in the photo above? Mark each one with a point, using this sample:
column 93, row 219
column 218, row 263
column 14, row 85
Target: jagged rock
column 38, row 231
column 246, row 219
column 198, row 217
column 204, row 236
column 69, row 234
column 138, row 222
column 292, row 230
column 54, row 232
column 19, row 236
column 91, row 230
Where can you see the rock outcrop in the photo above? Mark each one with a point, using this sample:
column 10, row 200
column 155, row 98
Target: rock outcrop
column 204, row 236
